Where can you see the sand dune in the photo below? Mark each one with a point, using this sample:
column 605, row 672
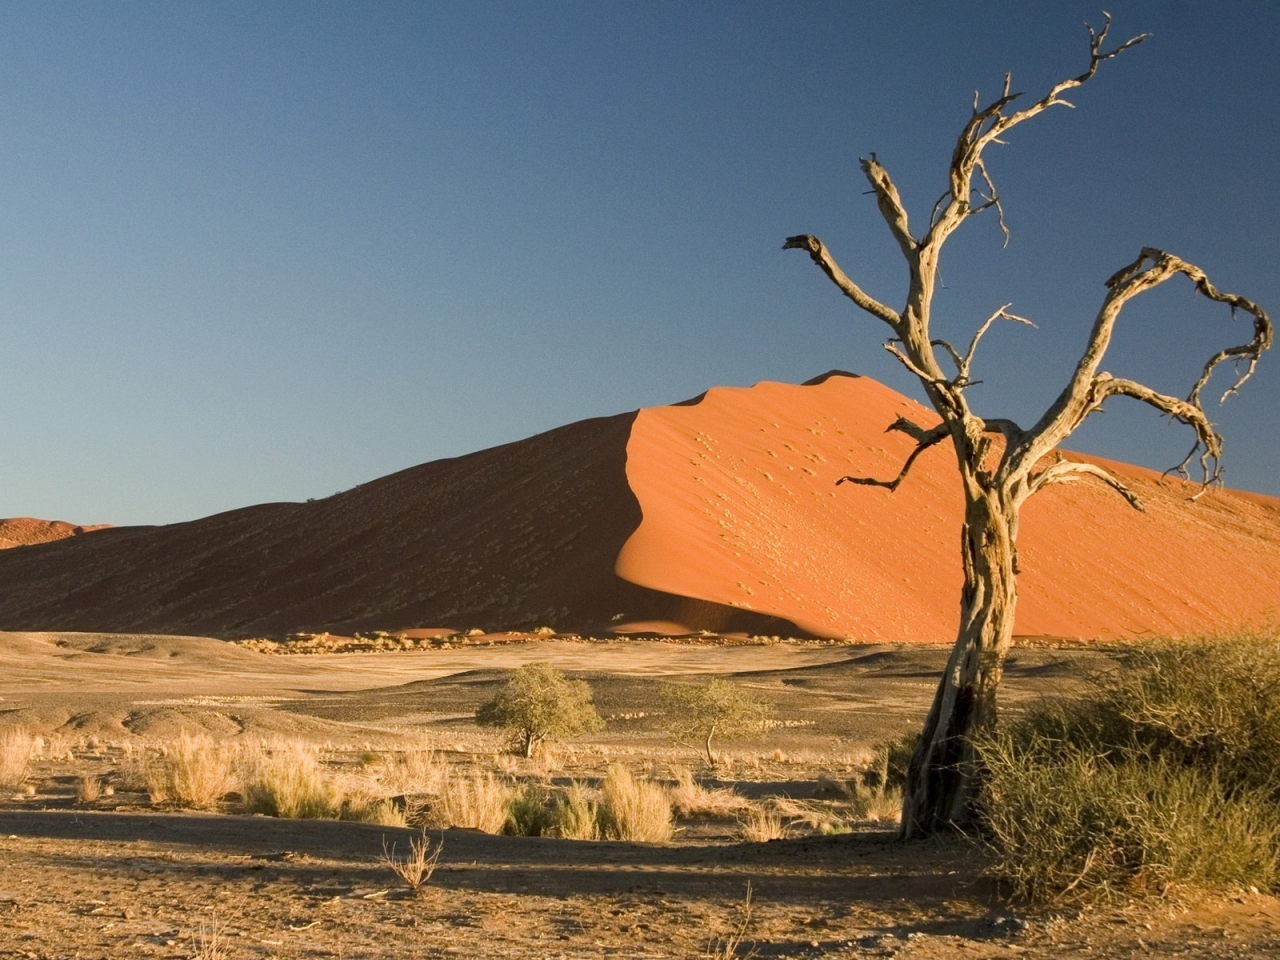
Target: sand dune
column 26, row 531
column 741, row 508
column 721, row 514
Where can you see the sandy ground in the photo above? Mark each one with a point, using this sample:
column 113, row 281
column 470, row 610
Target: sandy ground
column 115, row 878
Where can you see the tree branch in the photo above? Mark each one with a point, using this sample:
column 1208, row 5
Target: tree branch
column 992, row 199
column 1208, row 440
column 1002, row 313
column 1069, row 471
column 817, row 251
column 988, row 124
column 890, row 204
column 913, row 366
column 1089, row 389
column 1263, row 335
column 913, row 430
column 924, row 440
column 951, row 351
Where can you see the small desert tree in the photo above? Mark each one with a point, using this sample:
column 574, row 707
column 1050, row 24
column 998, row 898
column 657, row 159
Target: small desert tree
column 700, row 712
column 539, row 702
column 1001, row 463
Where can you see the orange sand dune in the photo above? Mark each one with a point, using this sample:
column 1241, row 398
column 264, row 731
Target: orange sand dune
column 741, row 508
column 718, row 514
column 25, row 531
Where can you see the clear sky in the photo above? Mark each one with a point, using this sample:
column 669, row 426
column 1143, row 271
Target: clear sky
column 254, row 252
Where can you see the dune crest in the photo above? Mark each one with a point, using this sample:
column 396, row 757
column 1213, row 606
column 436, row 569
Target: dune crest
column 720, row 513
column 740, row 507
column 26, row 531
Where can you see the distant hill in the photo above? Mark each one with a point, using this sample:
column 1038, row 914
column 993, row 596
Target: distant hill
column 720, row 513
column 25, row 531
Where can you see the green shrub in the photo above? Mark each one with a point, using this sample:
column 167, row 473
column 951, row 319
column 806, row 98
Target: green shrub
column 539, row 703
column 897, row 758
column 1068, row 822
column 1166, row 777
column 529, row 814
column 575, row 815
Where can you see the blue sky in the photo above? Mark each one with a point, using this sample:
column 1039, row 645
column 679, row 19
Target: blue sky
column 255, row 252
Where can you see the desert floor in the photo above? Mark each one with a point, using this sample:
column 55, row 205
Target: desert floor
column 118, row 877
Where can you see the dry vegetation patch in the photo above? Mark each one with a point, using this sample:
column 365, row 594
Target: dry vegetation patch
column 17, row 747
column 824, row 792
column 1163, row 781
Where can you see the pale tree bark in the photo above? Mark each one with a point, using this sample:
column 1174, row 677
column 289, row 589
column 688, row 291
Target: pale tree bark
column 998, row 476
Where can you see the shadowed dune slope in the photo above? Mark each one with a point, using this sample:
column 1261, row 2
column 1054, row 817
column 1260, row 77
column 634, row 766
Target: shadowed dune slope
column 740, row 507
column 721, row 513
column 516, row 536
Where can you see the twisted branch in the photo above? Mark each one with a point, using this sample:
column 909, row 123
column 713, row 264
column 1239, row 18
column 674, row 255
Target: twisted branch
column 1070, row 471
column 1088, row 389
column 989, row 123
column 817, row 251
column 924, row 440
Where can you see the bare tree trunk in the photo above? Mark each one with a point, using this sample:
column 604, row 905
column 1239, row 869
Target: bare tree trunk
column 942, row 777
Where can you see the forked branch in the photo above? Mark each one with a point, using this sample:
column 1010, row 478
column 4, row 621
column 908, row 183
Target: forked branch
column 988, row 124
column 963, row 363
column 1089, row 389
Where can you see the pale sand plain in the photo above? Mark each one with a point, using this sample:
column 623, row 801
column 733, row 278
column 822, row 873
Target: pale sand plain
column 116, row 877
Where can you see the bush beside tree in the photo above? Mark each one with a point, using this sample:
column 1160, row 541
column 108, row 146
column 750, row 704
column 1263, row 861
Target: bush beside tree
column 1165, row 779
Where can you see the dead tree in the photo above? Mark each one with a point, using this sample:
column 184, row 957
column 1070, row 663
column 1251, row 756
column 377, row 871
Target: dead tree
column 1001, row 463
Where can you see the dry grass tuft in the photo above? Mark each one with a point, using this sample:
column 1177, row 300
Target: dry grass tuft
column 287, row 780
column 88, row 788
column 416, row 771
column 416, row 868
column 727, row 947
column 17, row 747
column 691, row 799
column 631, row 809
column 475, row 800
column 192, row 771
column 363, row 807
column 761, row 824
column 210, row 941
column 814, row 816
column 880, row 804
